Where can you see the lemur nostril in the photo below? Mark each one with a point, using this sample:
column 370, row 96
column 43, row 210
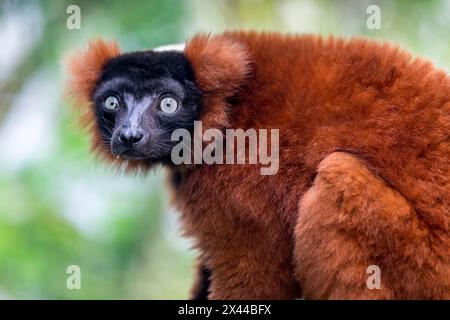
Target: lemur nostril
column 138, row 137
column 130, row 136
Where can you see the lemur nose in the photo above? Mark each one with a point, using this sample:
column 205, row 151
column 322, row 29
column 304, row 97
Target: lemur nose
column 130, row 136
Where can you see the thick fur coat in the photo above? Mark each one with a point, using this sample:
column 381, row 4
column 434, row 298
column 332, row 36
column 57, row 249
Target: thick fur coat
column 364, row 168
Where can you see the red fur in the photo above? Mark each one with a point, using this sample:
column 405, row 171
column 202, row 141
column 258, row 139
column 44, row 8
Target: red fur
column 363, row 98
column 85, row 68
column 326, row 216
column 221, row 67
column 350, row 219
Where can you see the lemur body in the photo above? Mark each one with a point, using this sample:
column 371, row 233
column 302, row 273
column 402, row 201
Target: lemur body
column 364, row 168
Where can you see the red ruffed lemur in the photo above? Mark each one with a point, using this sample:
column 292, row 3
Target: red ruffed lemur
column 364, row 159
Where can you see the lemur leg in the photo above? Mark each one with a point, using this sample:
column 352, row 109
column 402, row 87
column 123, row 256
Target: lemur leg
column 202, row 282
column 257, row 266
column 351, row 219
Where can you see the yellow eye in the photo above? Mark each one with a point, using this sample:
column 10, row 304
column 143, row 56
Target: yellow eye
column 168, row 105
column 111, row 103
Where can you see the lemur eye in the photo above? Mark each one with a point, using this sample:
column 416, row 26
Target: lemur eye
column 111, row 103
column 168, row 105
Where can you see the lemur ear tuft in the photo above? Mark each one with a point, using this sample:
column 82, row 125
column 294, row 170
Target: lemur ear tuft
column 221, row 63
column 86, row 66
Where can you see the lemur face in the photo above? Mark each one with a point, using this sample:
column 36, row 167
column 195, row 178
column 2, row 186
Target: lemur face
column 140, row 99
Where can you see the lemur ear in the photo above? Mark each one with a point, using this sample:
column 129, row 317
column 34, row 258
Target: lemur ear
column 86, row 66
column 221, row 63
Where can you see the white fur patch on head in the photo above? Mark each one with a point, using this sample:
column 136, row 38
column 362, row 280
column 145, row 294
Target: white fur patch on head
column 171, row 47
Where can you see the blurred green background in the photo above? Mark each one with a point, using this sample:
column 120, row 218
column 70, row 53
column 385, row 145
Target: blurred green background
column 60, row 206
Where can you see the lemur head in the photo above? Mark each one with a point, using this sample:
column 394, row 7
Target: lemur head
column 140, row 99
column 134, row 101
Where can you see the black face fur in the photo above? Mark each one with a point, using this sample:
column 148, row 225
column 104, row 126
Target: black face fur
column 138, row 129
